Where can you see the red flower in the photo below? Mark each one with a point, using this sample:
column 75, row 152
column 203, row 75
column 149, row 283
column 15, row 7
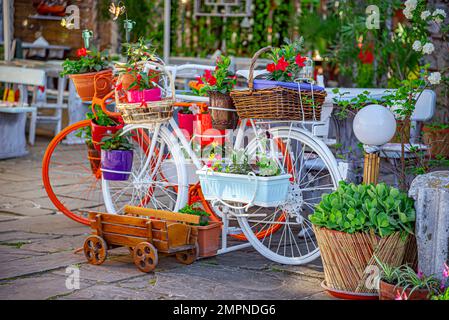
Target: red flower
column 271, row 67
column 199, row 80
column 300, row 60
column 81, row 52
column 366, row 57
column 139, row 77
column 282, row 64
column 207, row 74
column 119, row 86
column 212, row 81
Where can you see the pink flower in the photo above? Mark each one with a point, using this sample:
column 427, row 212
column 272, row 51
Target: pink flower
column 400, row 297
column 420, row 274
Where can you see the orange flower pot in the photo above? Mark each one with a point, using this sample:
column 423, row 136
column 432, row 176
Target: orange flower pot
column 87, row 83
column 389, row 292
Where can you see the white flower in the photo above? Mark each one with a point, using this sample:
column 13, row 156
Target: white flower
column 411, row 4
column 407, row 13
column 434, row 78
column 439, row 15
column 425, row 14
column 428, row 48
column 417, row 46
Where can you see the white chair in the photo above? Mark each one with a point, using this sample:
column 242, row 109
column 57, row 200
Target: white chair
column 424, row 111
column 57, row 106
column 13, row 115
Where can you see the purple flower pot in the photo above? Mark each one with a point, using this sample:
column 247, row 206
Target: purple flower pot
column 116, row 160
column 136, row 96
column 265, row 84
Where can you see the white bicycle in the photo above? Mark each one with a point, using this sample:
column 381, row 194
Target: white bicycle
column 164, row 177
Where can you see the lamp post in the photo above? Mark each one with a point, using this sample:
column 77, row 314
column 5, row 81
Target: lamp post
column 374, row 126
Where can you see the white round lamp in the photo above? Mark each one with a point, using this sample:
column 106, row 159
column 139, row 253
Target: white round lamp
column 374, row 125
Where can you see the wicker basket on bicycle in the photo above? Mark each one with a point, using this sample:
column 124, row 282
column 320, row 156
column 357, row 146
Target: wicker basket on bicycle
column 148, row 111
column 277, row 103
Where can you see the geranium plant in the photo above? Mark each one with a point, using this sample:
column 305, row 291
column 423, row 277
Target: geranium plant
column 196, row 210
column 287, row 61
column 142, row 80
column 220, row 80
column 88, row 61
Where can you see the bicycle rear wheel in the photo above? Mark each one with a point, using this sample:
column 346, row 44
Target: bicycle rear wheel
column 71, row 179
column 284, row 233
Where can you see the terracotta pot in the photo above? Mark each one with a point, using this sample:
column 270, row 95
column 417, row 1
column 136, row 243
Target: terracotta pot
column 98, row 132
column 87, row 83
column 222, row 119
column 389, row 292
column 438, row 140
column 94, row 158
column 126, row 80
column 209, row 239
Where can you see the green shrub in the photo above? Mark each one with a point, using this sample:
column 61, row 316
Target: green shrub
column 362, row 208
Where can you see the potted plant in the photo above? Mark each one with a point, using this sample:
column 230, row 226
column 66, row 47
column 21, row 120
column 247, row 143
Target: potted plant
column 143, row 88
column 116, row 156
column 403, row 283
column 436, row 135
column 261, row 183
column 355, row 222
column 90, row 74
column 185, row 120
column 92, row 154
column 208, row 232
column 136, row 53
column 218, row 84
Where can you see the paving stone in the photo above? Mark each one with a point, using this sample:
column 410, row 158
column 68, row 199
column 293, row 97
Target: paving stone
column 111, row 292
column 22, row 237
column 204, row 282
column 48, row 286
column 49, row 224
column 10, row 253
column 56, row 244
column 26, row 211
column 37, row 264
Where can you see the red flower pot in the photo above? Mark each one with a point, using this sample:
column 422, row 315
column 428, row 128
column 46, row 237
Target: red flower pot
column 185, row 122
column 203, row 126
column 389, row 292
column 209, row 239
column 98, row 132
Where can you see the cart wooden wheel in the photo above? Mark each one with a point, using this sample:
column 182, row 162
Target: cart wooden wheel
column 95, row 249
column 145, row 256
column 188, row 256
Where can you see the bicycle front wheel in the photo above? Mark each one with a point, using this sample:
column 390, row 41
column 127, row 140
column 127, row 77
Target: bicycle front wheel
column 284, row 233
column 158, row 174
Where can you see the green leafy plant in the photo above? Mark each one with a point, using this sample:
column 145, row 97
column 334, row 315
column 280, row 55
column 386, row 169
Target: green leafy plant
column 364, row 208
column 116, row 141
column 437, row 126
column 196, row 210
column 142, row 50
column 405, row 277
column 142, row 80
column 100, row 118
column 344, row 106
column 287, row 61
column 443, row 296
column 89, row 61
column 221, row 79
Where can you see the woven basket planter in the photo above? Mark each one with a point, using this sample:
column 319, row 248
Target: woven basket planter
column 225, row 118
column 277, row 103
column 345, row 256
column 148, row 111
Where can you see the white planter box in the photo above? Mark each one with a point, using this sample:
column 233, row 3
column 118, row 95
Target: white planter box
column 261, row 191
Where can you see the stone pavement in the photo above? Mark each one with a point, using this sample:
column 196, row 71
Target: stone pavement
column 37, row 245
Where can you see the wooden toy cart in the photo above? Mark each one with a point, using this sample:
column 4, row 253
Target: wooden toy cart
column 146, row 232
